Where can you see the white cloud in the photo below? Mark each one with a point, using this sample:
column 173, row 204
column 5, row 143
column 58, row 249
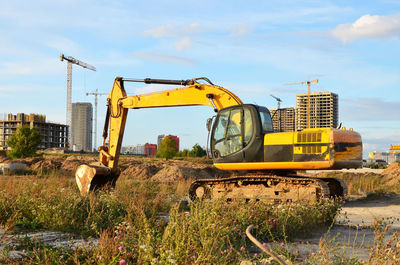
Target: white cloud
column 174, row 31
column 240, row 30
column 31, row 67
column 369, row 26
column 63, row 44
column 164, row 58
column 185, row 43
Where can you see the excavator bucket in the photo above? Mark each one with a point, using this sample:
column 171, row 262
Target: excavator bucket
column 93, row 177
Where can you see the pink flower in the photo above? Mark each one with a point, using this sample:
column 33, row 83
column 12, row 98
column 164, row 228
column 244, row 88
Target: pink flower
column 122, row 262
column 23, row 251
column 255, row 255
column 234, row 228
column 264, row 244
column 241, row 248
column 121, row 248
column 313, row 253
column 282, row 244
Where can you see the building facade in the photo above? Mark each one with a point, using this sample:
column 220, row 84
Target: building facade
column 54, row 135
column 324, row 110
column 284, row 120
column 81, row 126
column 159, row 140
column 150, row 150
column 388, row 157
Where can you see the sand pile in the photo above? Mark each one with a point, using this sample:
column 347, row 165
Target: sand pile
column 140, row 171
column 391, row 175
column 71, row 163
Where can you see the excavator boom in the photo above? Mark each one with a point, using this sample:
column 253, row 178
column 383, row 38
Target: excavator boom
column 191, row 93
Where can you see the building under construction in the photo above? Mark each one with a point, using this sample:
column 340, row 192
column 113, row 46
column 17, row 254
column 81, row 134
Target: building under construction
column 324, row 112
column 54, row 135
column 284, row 120
column 81, row 126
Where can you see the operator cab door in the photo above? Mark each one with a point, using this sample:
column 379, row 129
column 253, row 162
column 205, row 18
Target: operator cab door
column 237, row 135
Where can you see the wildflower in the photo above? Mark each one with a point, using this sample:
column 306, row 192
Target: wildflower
column 274, row 220
column 234, row 228
column 271, row 226
column 255, row 255
column 122, row 262
column 241, row 248
column 121, row 248
column 99, row 257
column 23, row 251
column 234, row 222
column 313, row 253
column 264, row 244
column 282, row 244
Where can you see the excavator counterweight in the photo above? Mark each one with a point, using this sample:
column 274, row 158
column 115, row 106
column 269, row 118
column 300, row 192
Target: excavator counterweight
column 241, row 138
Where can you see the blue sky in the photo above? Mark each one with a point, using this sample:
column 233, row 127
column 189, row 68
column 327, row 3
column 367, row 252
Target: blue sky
column 250, row 47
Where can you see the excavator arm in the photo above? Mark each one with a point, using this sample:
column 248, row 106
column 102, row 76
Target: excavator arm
column 191, row 93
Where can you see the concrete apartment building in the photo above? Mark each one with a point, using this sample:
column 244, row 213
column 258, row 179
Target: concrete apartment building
column 284, row 119
column 324, row 110
column 81, row 126
column 54, row 135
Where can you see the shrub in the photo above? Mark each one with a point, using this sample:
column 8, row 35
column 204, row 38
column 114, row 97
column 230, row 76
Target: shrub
column 25, row 142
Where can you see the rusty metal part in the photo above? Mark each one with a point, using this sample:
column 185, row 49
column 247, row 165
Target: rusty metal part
column 268, row 188
column 258, row 244
column 94, row 177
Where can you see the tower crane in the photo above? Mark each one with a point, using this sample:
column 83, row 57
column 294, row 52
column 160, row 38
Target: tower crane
column 278, row 110
column 95, row 94
column 278, row 100
column 308, row 96
column 71, row 60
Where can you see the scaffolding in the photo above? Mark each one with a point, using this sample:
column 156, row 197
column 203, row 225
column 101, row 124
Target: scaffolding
column 323, row 110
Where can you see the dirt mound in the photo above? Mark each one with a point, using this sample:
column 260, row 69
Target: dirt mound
column 71, row 163
column 45, row 165
column 391, row 175
column 174, row 172
column 140, row 171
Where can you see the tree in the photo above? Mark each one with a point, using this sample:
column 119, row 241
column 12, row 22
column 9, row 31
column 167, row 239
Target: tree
column 197, row 151
column 168, row 148
column 24, row 142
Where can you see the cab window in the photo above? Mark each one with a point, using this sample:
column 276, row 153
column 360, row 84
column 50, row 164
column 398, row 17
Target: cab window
column 233, row 131
column 266, row 122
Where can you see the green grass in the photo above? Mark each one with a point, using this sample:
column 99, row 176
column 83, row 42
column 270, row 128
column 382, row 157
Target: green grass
column 128, row 217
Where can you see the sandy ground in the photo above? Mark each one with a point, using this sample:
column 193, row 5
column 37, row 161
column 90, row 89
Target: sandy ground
column 354, row 228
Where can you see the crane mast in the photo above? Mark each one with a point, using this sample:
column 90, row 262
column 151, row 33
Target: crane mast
column 71, row 60
column 95, row 94
column 278, row 110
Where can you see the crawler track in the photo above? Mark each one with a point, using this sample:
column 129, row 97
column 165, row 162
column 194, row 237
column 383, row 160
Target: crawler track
column 268, row 188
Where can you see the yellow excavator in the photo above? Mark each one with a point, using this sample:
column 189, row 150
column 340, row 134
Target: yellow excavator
column 241, row 137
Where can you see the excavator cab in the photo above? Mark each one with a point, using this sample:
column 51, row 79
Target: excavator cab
column 238, row 133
